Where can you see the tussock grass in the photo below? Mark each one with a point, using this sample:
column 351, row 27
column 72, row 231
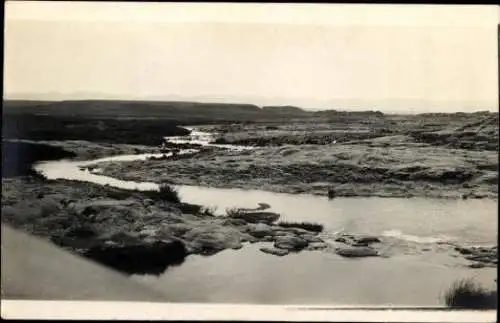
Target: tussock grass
column 302, row 225
column 165, row 192
column 208, row 211
column 467, row 294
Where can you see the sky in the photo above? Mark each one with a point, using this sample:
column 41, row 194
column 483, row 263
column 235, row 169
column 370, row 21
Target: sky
column 322, row 56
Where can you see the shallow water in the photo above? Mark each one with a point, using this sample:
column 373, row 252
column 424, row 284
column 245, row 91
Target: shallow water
column 315, row 277
column 416, row 273
column 415, row 219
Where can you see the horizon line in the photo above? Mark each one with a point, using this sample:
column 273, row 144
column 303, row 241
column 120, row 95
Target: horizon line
column 479, row 108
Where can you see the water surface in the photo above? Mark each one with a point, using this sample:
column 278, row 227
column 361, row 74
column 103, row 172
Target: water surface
column 315, row 278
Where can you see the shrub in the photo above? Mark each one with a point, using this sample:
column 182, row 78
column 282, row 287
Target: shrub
column 189, row 208
column 467, row 294
column 234, row 212
column 302, row 225
column 208, row 211
column 164, row 193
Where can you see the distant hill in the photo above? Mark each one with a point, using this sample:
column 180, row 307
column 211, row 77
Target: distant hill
column 174, row 110
column 284, row 109
column 101, row 108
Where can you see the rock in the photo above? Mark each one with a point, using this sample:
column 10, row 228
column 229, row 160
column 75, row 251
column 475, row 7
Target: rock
column 477, row 265
column 359, row 244
column 487, row 257
column 317, row 246
column 311, row 238
column 268, row 239
column 177, row 229
column 463, row 251
column 274, row 251
column 256, row 217
column 357, row 252
column 367, row 239
column 210, row 239
column 261, row 230
column 298, row 231
column 291, row 243
column 264, row 206
column 146, row 257
column 341, row 239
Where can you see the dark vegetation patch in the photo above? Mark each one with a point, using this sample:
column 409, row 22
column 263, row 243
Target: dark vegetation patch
column 18, row 157
column 125, row 131
column 165, row 192
column 302, row 225
column 466, row 294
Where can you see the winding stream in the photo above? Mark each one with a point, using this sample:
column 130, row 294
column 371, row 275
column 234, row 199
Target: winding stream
column 420, row 268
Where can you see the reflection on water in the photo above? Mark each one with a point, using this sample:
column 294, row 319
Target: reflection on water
column 315, row 277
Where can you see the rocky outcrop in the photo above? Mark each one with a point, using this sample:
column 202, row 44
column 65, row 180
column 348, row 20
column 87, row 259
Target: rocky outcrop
column 261, row 230
column 254, row 217
column 355, row 246
column 480, row 256
column 357, row 240
column 211, row 239
column 317, row 246
column 290, row 242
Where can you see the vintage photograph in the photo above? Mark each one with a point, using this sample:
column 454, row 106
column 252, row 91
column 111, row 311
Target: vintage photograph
column 253, row 154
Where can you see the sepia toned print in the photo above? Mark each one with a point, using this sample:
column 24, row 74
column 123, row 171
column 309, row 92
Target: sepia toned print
column 271, row 155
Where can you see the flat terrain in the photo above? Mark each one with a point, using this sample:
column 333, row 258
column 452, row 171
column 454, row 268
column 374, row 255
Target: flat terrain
column 433, row 156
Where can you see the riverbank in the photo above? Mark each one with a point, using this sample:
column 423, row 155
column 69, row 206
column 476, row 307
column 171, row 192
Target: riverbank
column 103, row 223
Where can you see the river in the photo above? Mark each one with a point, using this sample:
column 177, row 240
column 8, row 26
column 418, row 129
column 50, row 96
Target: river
column 418, row 269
